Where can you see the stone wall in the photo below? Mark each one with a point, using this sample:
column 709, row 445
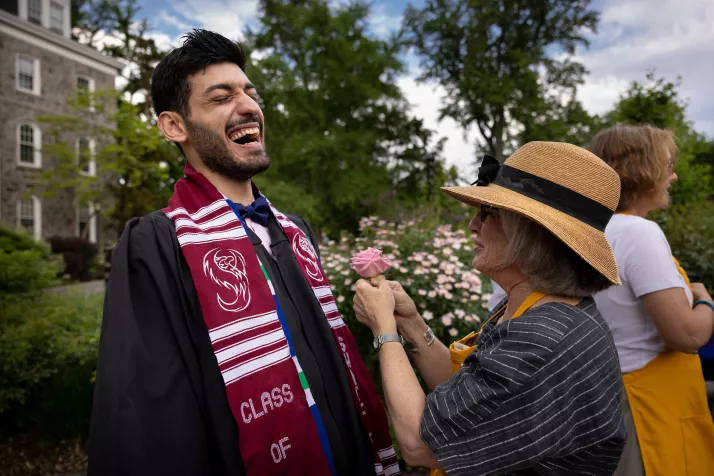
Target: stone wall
column 58, row 80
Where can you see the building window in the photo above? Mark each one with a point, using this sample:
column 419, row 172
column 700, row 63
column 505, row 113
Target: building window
column 29, row 145
column 57, row 18
column 29, row 216
column 34, row 11
column 83, row 84
column 85, row 156
column 87, row 222
column 28, row 74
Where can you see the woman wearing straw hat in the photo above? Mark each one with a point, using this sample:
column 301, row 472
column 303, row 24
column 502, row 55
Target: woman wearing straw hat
column 537, row 390
column 657, row 318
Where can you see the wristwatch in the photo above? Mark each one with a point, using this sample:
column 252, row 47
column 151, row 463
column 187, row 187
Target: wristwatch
column 382, row 338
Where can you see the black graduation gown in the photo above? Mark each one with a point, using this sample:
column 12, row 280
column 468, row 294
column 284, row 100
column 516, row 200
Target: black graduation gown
column 160, row 405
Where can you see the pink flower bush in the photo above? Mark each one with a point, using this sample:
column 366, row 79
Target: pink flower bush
column 432, row 263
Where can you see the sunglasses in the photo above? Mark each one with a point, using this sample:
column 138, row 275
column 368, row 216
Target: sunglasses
column 487, row 211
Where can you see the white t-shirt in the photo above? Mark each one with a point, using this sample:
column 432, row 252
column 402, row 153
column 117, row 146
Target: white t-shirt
column 645, row 263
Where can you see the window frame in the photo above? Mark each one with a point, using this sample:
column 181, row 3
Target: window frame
column 36, row 77
column 37, row 145
column 36, row 216
column 60, row 30
column 38, row 20
column 92, row 165
column 91, row 223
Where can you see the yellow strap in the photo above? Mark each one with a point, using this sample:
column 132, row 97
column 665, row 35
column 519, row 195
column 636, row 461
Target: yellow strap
column 533, row 298
column 682, row 272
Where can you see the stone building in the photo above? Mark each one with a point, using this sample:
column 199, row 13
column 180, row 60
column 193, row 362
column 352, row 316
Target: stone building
column 40, row 67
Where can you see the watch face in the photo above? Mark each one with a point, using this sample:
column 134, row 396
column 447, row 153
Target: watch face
column 375, row 342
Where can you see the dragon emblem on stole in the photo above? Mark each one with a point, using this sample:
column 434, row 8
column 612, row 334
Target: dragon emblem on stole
column 226, row 268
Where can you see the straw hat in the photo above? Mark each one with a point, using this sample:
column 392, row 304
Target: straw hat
column 564, row 188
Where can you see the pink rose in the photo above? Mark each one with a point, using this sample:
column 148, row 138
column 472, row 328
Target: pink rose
column 370, row 263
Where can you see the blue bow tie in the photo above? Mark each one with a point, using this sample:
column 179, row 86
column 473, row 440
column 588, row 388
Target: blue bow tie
column 258, row 211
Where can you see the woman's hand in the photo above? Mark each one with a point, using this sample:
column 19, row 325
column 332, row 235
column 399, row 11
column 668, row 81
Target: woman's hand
column 699, row 292
column 404, row 308
column 374, row 307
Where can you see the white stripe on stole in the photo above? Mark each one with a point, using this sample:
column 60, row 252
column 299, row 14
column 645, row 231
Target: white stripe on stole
column 219, row 221
column 201, row 212
column 194, row 238
column 297, row 364
column 249, row 345
column 336, row 322
column 308, row 396
column 391, row 469
column 308, row 393
column 387, row 453
column 330, row 307
column 322, row 291
column 260, row 363
column 378, row 469
column 241, row 325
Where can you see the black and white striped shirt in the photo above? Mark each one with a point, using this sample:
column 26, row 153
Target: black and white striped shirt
column 541, row 395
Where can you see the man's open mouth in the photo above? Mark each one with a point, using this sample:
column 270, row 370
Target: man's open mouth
column 247, row 136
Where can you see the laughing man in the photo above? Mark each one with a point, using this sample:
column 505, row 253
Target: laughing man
column 222, row 349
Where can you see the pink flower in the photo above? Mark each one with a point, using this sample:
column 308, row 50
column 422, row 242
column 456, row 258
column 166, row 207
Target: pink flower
column 453, row 332
column 422, row 292
column 370, row 263
column 427, row 315
column 446, row 320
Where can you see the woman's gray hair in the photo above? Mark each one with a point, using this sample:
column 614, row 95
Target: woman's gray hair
column 550, row 265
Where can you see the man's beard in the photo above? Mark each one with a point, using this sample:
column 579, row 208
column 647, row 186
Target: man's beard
column 218, row 157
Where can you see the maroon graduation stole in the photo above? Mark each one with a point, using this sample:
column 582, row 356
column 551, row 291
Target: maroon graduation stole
column 280, row 428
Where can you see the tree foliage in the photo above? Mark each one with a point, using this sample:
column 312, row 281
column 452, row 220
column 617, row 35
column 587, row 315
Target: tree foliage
column 342, row 141
column 136, row 165
column 505, row 65
column 113, row 27
column 657, row 102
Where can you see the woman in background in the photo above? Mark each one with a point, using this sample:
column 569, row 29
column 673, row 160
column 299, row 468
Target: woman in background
column 657, row 318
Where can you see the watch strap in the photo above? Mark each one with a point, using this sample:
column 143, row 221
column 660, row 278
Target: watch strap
column 384, row 338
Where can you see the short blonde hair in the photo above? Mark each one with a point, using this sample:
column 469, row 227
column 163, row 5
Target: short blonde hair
column 548, row 263
column 639, row 156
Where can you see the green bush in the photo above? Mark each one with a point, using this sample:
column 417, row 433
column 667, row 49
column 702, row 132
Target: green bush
column 25, row 264
column 48, row 354
column 690, row 232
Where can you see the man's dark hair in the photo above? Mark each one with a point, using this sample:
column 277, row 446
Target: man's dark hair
column 170, row 87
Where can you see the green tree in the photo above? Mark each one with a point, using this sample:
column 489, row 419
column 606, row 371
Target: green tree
column 505, row 65
column 657, row 102
column 136, row 165
column 114, row 27
column 338, row 128
column 559, row 122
